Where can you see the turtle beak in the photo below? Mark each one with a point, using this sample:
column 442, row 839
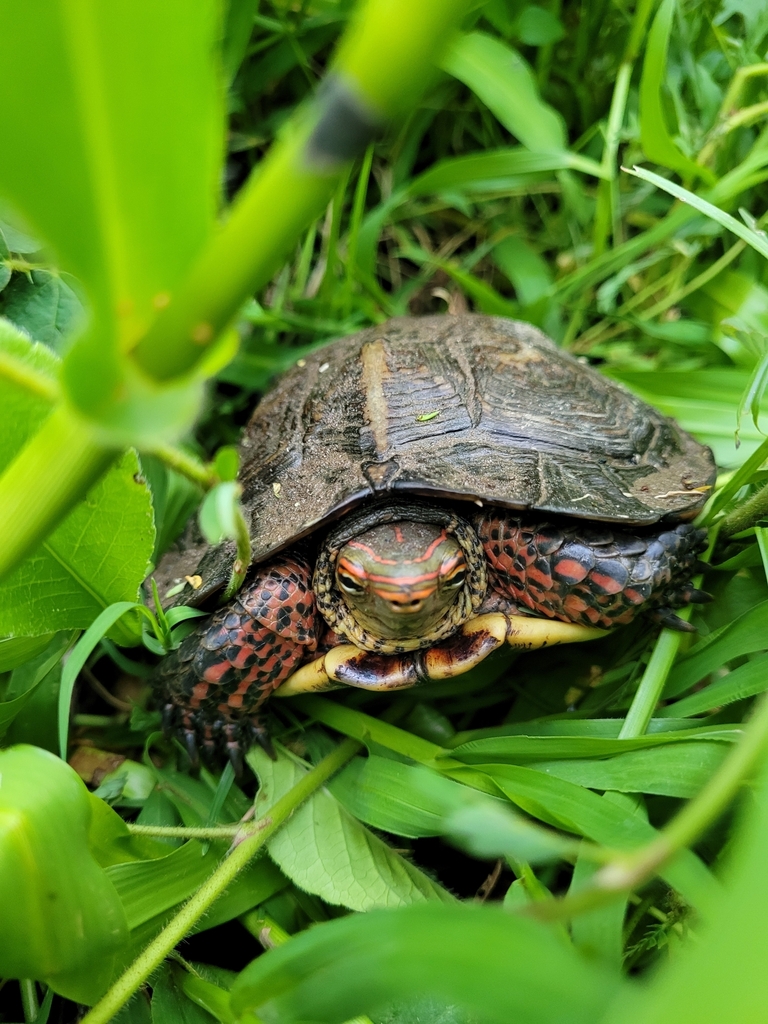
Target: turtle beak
column 405, row 600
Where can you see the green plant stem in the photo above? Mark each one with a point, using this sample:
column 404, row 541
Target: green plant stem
column 262, row 831
column 182, row 462
column 607, row 195
column 747, row 514
column 631, row 870
column 29, row 1001
column 243, row 559
column 385, row 60
column 182, row 832
column 18, row 372
column 366, row 728
column 699, row 813
column 46, row 479
column 651, row 685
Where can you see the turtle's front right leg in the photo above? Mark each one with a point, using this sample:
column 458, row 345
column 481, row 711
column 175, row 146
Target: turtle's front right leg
column 212, row 688
column 347, row 665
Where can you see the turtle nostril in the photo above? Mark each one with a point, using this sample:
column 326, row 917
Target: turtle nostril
column 405, row 606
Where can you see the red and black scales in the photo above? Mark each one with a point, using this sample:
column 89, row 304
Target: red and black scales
column 214, row 686
column 594, row 576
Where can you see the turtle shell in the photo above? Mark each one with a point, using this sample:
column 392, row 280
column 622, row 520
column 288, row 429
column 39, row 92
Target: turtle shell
column 471, row 408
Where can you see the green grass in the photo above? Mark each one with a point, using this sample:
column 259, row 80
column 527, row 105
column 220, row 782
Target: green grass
column 531, row 779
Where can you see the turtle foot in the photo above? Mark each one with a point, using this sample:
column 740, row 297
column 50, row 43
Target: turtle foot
column 211, row 739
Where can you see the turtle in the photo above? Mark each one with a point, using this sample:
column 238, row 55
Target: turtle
column 419, row 494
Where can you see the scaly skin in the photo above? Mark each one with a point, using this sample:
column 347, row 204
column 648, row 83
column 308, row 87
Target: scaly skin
column 213, row 686
column 593, row 576
column 405, row 577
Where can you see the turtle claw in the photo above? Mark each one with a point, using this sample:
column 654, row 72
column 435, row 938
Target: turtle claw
column 695, row 596
column 168, row 718
column 192, row 749
column 669, row 620
column 235, row 756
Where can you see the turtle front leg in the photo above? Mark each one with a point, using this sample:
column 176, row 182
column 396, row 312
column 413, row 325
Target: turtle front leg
column 212, row 688
column 347, row 665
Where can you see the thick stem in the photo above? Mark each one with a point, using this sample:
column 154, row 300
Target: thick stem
column 182, row 832
column 263, row 830
column 746, row 515
column 46, row 479
column 182, row 462
column 383, row 66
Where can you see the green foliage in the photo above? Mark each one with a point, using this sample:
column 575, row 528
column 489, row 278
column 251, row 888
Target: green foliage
column 325, row 851
column 61, row 913
column 357, row 964
column 100, row 553
column 500, row 190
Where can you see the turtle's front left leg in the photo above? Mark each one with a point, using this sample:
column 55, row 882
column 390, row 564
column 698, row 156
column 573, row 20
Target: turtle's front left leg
column 477, row 638
column 213, row 687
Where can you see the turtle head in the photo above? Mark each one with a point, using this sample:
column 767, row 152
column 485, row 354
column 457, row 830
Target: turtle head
column 400, row 580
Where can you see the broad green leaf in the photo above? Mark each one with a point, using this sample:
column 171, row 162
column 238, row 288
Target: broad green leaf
column 500, row 77
column 325, row 851
column 194, row 798
column 485, row 828
column 598, row 933
column 379, row 792
column 578, row 810
column 13, row 240
column 44, row 305
column 17, row 650
column 100, row 553
column 743, row 635
column 219, row 511
column 744, row 681
column 654, row 134
column 26, row 678
column 538, row 26
column 393, row 796
column 496, row 965
column 117, row 139
column 23, row 409
column 170, row 1004
column 680, row 770
column 137, row 1011
column 149, row 887
column 421, row 1009
column 62, row 919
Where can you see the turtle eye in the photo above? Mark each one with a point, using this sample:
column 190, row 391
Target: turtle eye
column 348, row 583
column 457, row 580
